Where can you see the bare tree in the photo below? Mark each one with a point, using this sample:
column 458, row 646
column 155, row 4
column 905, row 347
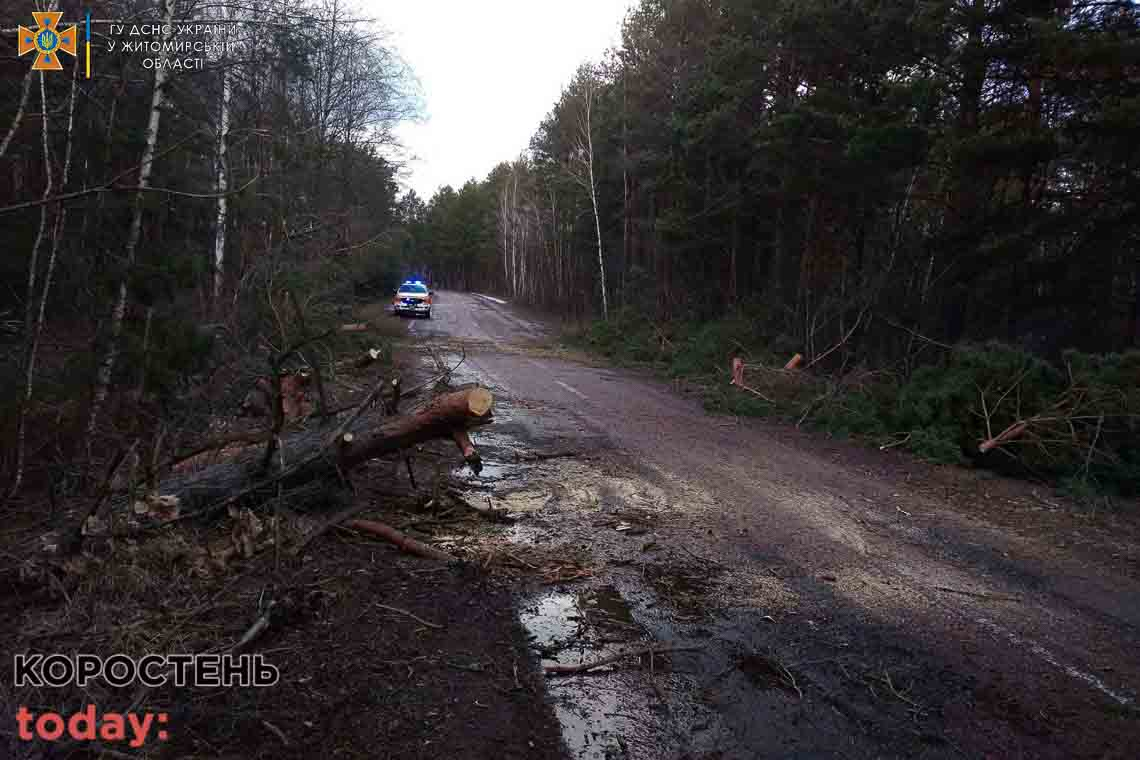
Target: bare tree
column 119, row 311
column 19, row 113
column 581, row 165
column 29, row 306
column 221, row 185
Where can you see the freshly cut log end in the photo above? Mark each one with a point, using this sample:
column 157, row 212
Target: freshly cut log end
column 737, row 371
column 1010, row 433
column 238, row 477
column 479, row 401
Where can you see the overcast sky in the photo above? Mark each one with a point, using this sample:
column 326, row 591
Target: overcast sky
column 489, row 71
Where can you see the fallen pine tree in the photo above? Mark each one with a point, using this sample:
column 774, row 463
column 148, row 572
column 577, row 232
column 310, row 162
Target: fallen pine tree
column 324, row 453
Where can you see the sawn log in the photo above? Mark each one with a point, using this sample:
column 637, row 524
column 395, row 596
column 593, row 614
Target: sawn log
column 330, row 452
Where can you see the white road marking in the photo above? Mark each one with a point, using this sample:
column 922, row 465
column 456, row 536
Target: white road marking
column 1048, row 657
column 490, row 298
column 573, row 390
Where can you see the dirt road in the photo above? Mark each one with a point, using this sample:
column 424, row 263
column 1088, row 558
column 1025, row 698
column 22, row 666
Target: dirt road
column 845, row 602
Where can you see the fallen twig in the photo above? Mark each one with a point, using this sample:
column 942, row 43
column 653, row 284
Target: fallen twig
column 409, row 614
column 916, row 334
column 977, row 595
column 892, row 444
column 494, row 515
column 256, row 629
column 559, row 669
column 407, row 543
column 885, row 679
column 543, row 456
column 280, row 734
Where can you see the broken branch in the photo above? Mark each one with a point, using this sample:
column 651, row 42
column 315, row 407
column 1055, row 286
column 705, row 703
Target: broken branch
column 405, row 542
column 417, row 618
column 559, row 669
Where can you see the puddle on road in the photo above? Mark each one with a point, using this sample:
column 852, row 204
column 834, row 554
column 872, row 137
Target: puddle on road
column 600, row 713
column 568, row 627
column 609, row 602
column 630, row 709
column 552, row 622
column 613, row 516
column 491, row 474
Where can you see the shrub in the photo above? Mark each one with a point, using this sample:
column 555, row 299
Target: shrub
column 857, row 413
column 954, row 399
column 946, row 409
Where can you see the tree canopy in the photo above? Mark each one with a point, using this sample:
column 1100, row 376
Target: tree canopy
column 964, row 168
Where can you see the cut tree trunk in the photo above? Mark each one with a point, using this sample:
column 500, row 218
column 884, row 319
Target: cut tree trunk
column 315, row 454
column 1010, row 433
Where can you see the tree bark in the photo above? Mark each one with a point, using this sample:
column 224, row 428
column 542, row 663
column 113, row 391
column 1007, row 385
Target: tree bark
column 317, row 455
column 222, row 183
column 594, row 201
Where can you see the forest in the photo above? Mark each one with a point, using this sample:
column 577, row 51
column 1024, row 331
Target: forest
column 922, row 199
column 167, row 229
column 791, row 369
column 875, row 185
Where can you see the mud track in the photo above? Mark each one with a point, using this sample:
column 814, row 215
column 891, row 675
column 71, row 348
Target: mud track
column 844, row 602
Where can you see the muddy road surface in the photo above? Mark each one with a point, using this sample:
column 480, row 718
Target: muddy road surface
column 792, row 596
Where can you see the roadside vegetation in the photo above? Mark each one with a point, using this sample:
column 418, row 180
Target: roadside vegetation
column 169, row 232
column 935, row 203
column 1074, row 423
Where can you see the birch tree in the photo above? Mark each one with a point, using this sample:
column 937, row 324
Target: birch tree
column 29, row 305
column 221, row 185
column 119, row 310
column 25, row 89
column 581, row 164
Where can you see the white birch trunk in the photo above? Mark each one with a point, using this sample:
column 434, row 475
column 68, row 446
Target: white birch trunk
column 222, row 183
column 119, row 311
column 506, row 245
column 594, row 200
column 517, row 254
column 29, row 309
column 19, row 113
